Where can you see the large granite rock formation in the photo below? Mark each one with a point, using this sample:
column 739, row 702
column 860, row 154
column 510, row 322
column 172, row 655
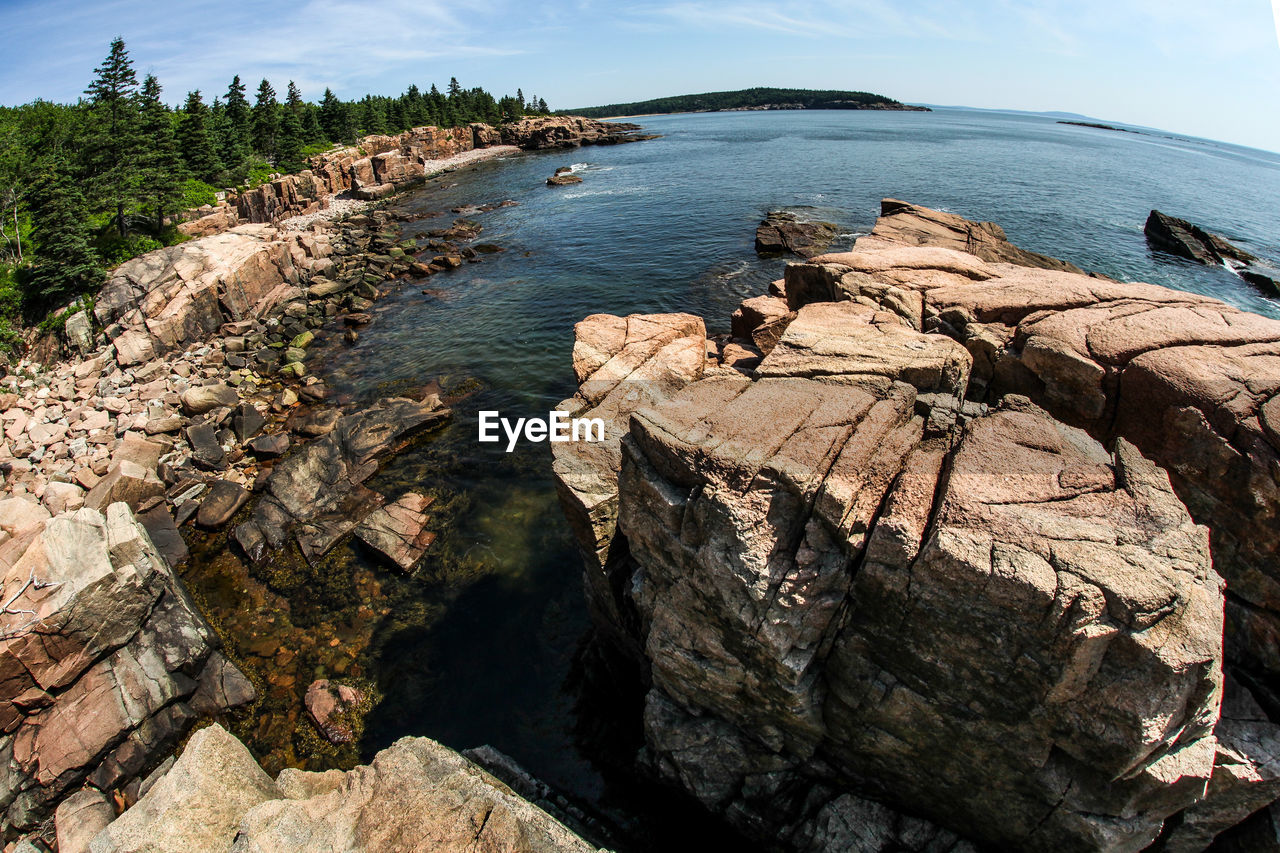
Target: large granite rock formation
column 104, row 661
column 895, row 563
column 782, row 232
column 416, row 795
column 169, row 298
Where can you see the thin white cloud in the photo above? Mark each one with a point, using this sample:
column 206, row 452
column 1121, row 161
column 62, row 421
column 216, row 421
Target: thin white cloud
column 342, row 44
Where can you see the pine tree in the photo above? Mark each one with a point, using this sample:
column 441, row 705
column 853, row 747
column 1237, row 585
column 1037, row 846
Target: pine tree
column 196, row 142
column 266, row 121
column 111, row 144
column 160, row 168
column 414, row 108
column 331, row 117
column 235, row 143
column 542, row 106
column 520, row 97
column 290, row 143
column 395, row 116
column 68, row 266
column 312, row 132
column 292, row 135
column 293, row 99
column 455, row 88
column 371, row 118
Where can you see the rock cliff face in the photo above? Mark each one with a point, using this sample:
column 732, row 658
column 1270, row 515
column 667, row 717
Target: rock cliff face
column 169, row 298
column 381, row 165
column 923, row 553
column 416, row 795
column 104, row 661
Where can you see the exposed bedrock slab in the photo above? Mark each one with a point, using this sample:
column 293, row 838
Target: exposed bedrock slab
column 1189, row 380
column 104, row 661
column 416, row 795
column 622, row 364
column 1034, row 648
column 851, row 343
column 917, row 673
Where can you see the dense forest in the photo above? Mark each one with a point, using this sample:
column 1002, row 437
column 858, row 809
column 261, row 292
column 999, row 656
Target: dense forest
column 88, row 185
column 750, row 99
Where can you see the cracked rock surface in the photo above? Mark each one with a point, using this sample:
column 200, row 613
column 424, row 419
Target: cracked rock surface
column 416, row 795
column 949, row 553
column 105, row 658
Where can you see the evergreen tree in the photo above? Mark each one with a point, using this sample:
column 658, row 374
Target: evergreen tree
column 293, row 99
column 290, row 143
column 160, row 169
column 312, row 132
column 396, row 122
column 266, row 121
column 414, row 108
column 67, row 265
column 510, row 108
column 235, row 143
column 371, row 118
column 111, row 143
column 196, row 142
column 331, row 117
column 520, row 97
column 455, row 88
column 542, row 106
column 436, row 107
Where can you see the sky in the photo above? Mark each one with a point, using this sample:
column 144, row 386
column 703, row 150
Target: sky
column 1209, row 69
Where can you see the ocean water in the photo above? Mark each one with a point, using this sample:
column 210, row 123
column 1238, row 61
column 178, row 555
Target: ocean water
column 488, row 642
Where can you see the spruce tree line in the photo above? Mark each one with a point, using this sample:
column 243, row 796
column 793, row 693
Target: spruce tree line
column 88, row 185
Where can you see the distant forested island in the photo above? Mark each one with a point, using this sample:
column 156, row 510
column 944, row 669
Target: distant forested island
column 759, row 98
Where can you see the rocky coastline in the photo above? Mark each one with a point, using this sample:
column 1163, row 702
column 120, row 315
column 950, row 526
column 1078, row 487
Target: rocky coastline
column 179, row 407
column 381, row 166
column 950, row 544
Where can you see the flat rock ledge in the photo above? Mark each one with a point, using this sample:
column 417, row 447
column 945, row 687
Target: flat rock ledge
column 416, row 795
column 931, row 552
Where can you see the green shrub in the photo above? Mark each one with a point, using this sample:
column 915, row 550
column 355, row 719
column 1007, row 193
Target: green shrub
column 115, row 251
column 313, row 150
column 10, row 312
column 197, row 194
column 260, row 171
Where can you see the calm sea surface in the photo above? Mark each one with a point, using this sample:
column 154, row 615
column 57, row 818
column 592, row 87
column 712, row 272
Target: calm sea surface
column 486, row 645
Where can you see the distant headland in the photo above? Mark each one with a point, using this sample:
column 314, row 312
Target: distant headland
column 758, row 98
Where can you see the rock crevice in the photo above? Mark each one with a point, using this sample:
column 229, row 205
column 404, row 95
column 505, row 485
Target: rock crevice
column 924, row 551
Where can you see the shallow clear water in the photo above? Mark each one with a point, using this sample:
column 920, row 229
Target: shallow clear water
column 483, row 644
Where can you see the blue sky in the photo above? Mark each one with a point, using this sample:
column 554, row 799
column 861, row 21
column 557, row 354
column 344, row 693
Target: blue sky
column 1206, row 69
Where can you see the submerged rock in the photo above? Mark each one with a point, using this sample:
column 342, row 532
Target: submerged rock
column 326, row 703
column 398, row 530
column 316, row 495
